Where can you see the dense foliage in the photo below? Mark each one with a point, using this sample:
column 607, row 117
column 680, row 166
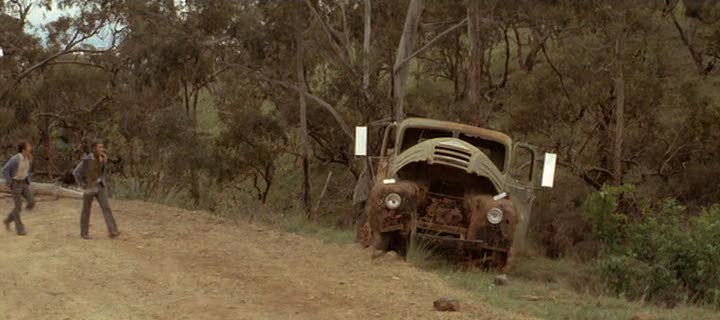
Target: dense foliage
column 663, row 254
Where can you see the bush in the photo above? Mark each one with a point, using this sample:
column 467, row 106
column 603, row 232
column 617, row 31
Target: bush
column 137, row 189
column 600, row 211
column 666, row 255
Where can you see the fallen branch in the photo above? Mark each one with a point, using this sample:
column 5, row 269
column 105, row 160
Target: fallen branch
column 50, row 190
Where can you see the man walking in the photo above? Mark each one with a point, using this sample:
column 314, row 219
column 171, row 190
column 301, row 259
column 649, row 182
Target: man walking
column 91, row 175
column 17, row 177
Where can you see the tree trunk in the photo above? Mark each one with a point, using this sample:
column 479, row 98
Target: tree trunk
column 268, row 177
column 518, row 42
column 476, row 60
column 406, row 47
column 537, row 41
column 306, row 196
column 507, row 57
column 619, row 109
column 366, row 45
column 688, row 38
column 48, row 145
column 195, row 183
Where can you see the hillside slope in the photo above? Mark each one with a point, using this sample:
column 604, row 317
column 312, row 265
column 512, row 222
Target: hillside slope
column 174, row 264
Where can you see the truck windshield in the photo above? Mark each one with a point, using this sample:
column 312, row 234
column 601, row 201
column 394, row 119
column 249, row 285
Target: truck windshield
column 492, row 149
column 413, row 136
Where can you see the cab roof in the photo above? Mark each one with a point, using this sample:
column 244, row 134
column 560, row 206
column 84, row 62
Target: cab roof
column 454, row 126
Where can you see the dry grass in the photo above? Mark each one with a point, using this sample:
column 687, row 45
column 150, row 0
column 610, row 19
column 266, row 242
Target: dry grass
column 172, row 264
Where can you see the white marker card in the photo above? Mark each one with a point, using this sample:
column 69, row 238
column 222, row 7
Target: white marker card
column 548, row 176
column 500, row 196
column 361, row 141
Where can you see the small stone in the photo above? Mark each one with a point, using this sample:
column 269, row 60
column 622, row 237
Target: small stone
column 532, row 298
column 446, row 304
column 395, row 278
column 377, row 253
column 501, row 280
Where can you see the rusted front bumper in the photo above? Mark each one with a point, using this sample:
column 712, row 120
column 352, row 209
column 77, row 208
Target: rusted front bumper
column 394, row 221
column 460, row 244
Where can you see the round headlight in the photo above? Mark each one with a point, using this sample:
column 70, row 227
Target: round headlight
column 495, row 215
column 393, row 201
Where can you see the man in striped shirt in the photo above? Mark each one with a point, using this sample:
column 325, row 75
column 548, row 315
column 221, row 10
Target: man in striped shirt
column 17, row 177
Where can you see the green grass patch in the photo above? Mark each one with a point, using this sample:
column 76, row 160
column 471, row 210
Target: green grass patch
column 539, row 287
column 136, row 189
column 208, row 117
column 554, row 300
column 297, row 223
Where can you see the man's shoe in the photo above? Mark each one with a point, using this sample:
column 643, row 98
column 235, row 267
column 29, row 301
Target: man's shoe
column 22, row 233
column 84, row 236
column 114, row 235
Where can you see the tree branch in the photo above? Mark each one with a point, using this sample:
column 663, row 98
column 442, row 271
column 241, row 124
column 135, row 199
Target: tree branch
column 560, row 77
column 328, row 32
column 327, row 106
column 80, row 63
column 430, row 43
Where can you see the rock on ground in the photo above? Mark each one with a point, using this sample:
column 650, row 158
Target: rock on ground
column 501, row 280
column 446, row 304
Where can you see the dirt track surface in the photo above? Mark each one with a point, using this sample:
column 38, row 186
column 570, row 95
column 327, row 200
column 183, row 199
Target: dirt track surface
column 175, row 264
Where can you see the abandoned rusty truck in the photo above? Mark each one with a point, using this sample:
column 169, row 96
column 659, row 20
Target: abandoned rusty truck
column 460, row 188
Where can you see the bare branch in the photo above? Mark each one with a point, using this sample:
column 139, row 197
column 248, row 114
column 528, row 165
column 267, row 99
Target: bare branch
column 346, row 30
column 687, row 39
column 327, row 106
column 329, row 33
column 366, row 44
column 507, row 56
column 560, row 77
column 430, row 43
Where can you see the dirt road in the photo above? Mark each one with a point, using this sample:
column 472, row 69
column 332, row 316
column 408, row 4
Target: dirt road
column 175, row 264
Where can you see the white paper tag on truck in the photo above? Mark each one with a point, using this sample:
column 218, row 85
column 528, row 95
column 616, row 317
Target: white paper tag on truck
column 548, row 176
column 361, row 141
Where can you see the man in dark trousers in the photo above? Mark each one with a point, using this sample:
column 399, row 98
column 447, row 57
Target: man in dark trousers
column 91, row 175
column 17, row 177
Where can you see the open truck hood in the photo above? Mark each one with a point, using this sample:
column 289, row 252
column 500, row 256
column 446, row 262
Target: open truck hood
column 450, row 152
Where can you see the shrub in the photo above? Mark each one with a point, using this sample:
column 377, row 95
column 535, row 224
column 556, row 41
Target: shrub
column 666, row 255
column 600, row 211
column 138, row 189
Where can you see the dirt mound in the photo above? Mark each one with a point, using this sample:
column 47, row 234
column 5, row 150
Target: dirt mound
column 175, row 264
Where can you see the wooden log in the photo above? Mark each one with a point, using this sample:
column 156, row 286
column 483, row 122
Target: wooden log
column 48, row 189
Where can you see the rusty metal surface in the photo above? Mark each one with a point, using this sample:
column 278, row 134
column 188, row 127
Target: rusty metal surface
column 460, row 231
column 427, row 151
column 453, row 219
column 391, row 228
column 379, row 216
column 445, row 211
column 472, row 245
column 447, row 125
